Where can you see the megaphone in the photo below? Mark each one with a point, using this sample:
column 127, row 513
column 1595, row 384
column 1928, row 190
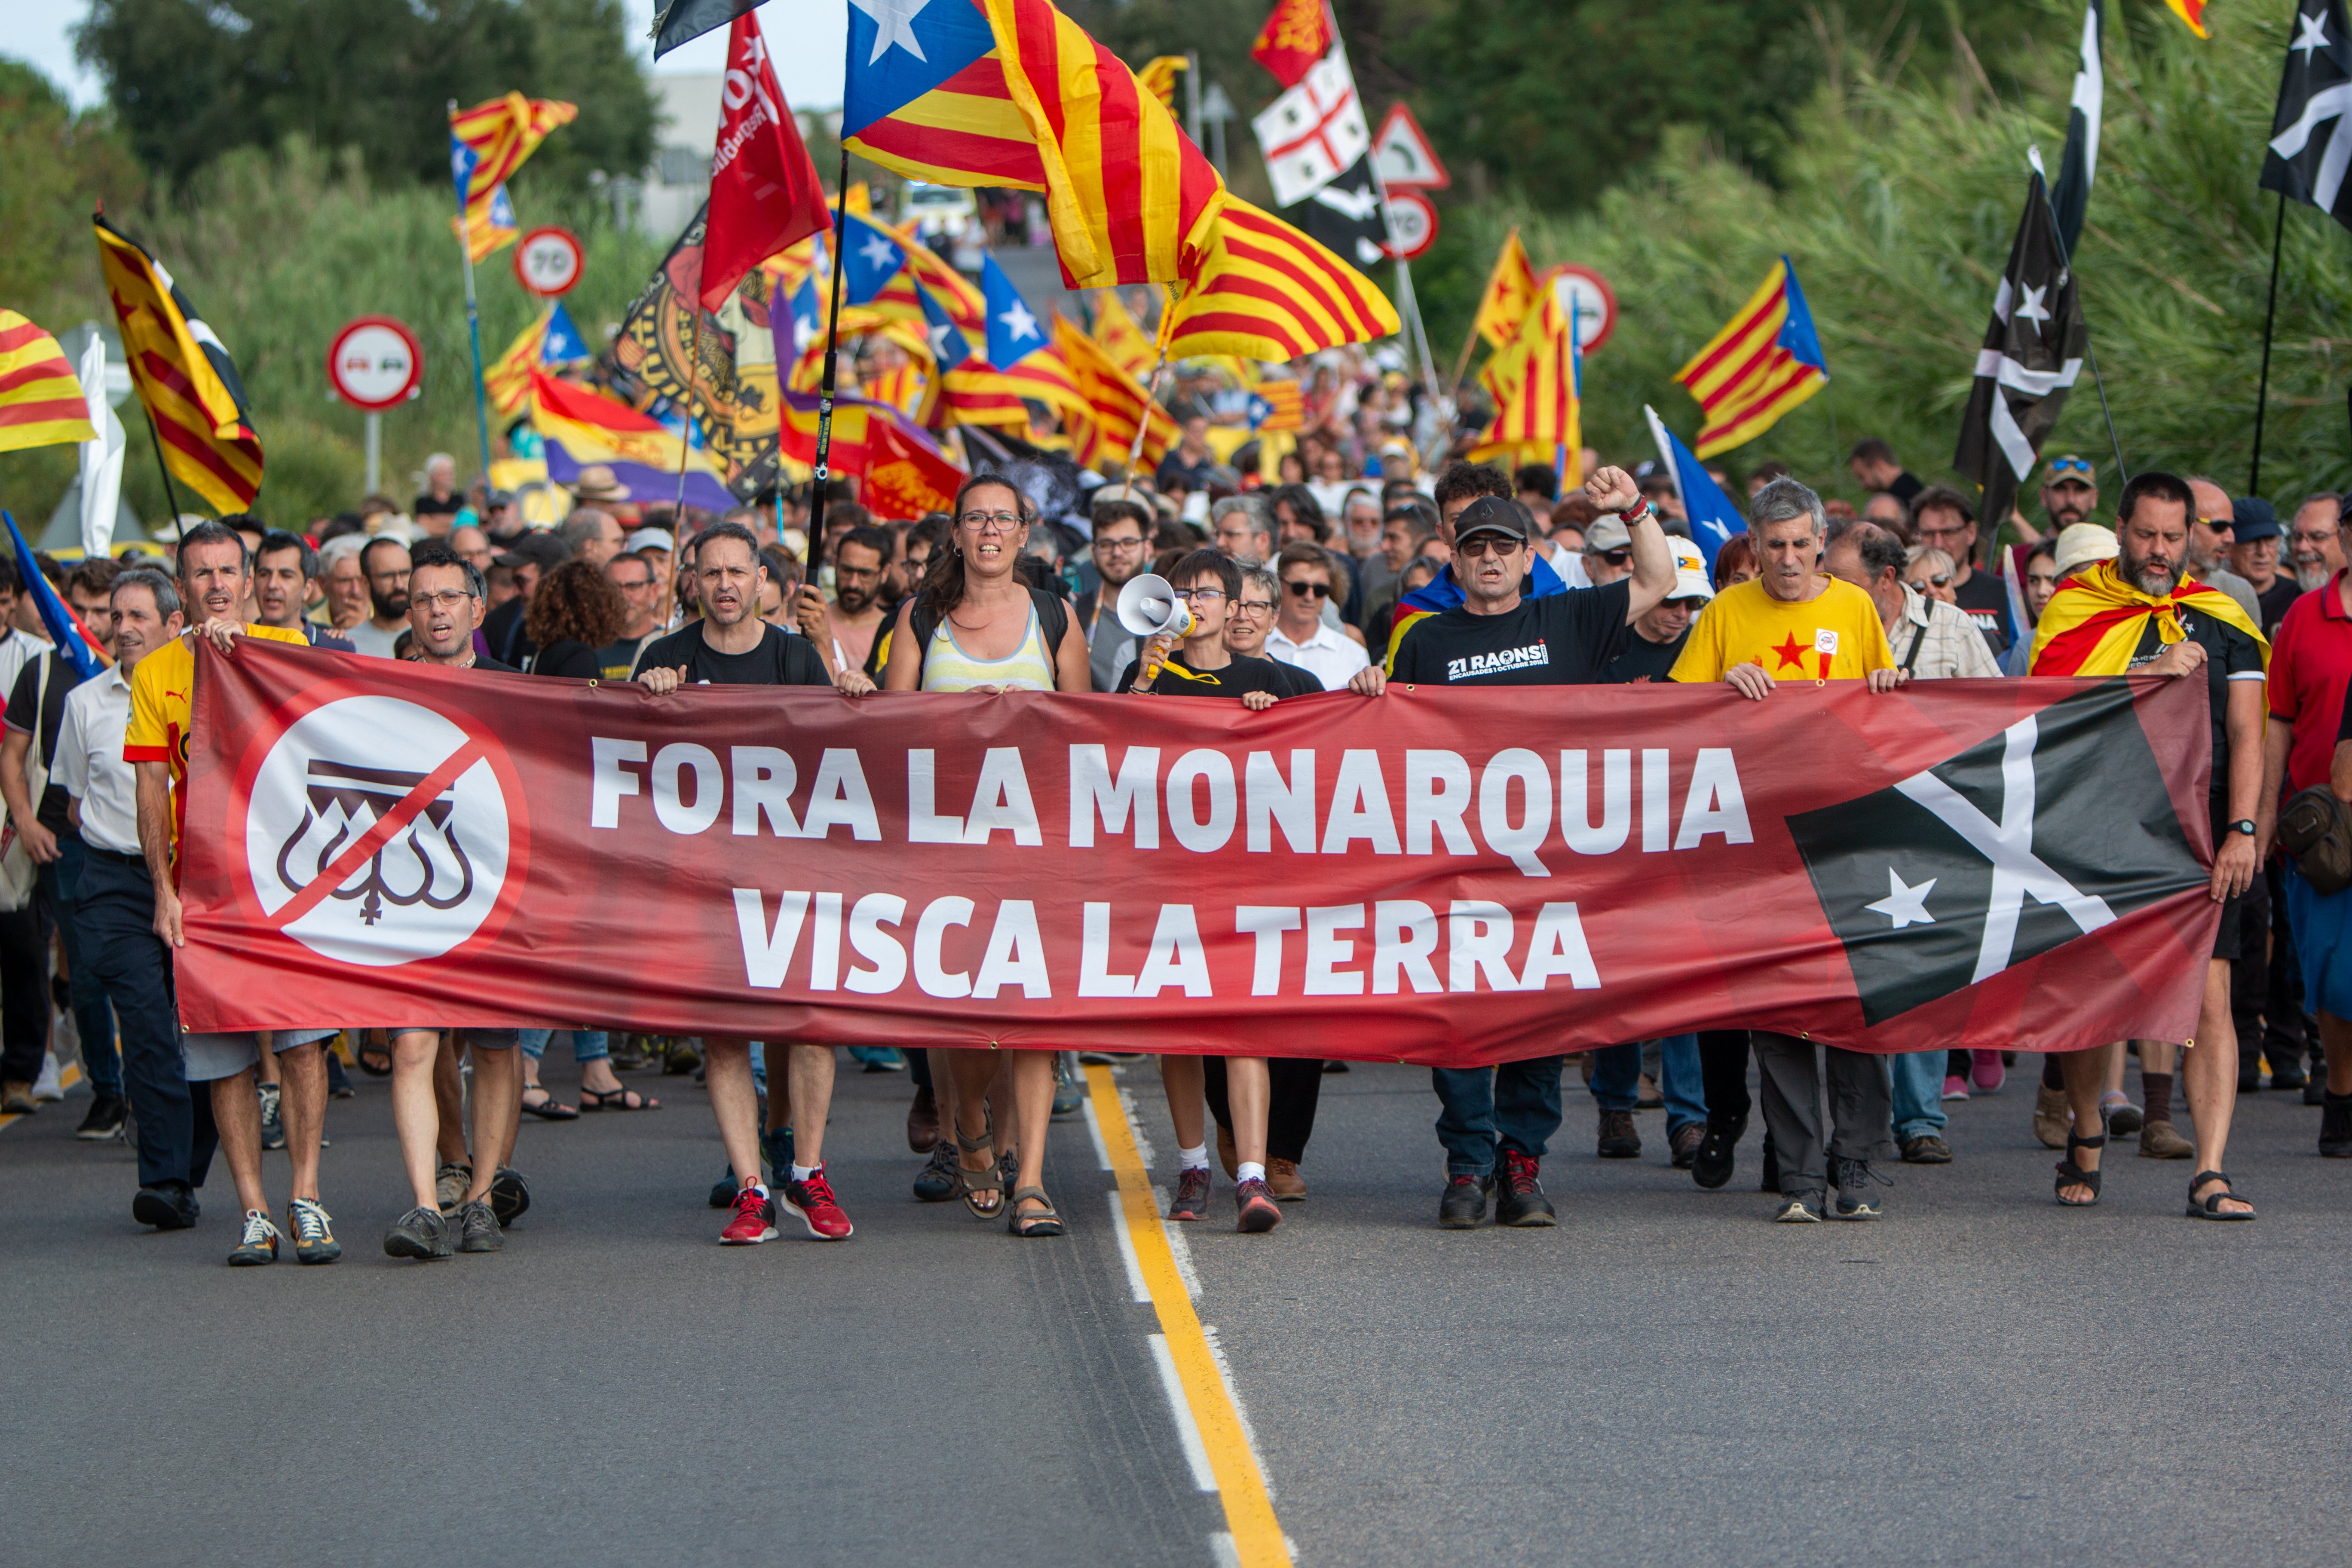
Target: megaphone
column 1148, row 607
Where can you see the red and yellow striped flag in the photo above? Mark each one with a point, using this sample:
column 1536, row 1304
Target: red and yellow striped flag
column 1122, row 336
column 1044, row 378
column 1114, row 400
column 1536, row 411
column 184, row 376
column 41, row 400
column 1158, row 77
column 1510, row 294
column 1767, row 361
column 1131, row 199
column 493, row 138
column 2192, row 12
column 1269, row 292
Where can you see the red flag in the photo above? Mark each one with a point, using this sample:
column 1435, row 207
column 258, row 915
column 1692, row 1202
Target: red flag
column 764, row 193
column 1294, row 36
column 906, row 476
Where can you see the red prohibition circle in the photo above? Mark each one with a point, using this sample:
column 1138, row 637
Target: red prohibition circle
column 524, row 247
column 1608, row 296
column 352, row 329
column 273, row 727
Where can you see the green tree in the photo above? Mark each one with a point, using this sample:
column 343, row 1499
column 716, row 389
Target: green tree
column 192, row 80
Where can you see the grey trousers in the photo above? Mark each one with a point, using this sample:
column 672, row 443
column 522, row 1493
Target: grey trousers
column 1860, row 1109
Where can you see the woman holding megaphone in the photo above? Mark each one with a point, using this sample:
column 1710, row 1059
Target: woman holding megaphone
column 976, row 624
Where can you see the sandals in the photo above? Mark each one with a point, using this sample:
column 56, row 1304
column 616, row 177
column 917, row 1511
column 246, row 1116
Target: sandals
column 362, row 1051
column 2070, row 1174
column 548, row 1108
column 622, row 1098
column 973, row 1183
column 1039, row 1221
column 2210, row 1206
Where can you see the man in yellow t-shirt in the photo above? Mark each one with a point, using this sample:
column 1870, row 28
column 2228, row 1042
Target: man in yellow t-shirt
column 215, row 576
column 1795, row 621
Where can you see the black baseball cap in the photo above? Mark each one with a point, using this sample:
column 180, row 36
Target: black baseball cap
column 1490, row 514
column 538, row 547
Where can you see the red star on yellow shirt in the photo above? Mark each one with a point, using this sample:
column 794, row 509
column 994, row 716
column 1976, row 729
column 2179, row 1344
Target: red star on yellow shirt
column 1791, row 654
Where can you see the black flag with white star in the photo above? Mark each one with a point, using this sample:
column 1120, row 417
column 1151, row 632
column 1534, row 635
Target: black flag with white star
column 2056, row 827
column 2311, row 134
column 1344, row 215
column 2032, row 352
column 2079, row 165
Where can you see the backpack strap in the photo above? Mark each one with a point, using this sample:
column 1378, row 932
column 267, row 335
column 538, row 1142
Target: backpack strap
column 1053, row 622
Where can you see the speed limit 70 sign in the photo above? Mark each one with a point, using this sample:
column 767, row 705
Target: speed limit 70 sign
column 548, row 261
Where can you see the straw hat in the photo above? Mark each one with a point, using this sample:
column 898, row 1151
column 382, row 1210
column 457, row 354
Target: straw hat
column 2084, row 544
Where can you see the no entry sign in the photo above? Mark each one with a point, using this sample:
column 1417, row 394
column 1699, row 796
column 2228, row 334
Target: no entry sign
column 376, row 363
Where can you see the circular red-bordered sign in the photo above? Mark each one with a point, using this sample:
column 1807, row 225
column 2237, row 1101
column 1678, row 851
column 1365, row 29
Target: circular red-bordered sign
column 548, row 261
column 375, row 363
column 1596, row 315
column 461, row 820
column 1413, row 218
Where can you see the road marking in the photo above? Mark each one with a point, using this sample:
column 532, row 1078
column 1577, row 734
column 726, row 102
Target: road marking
column 1135, row 1290
column 1188, row 1431
column 1094, row 1130
column 70, row 1075
column 1258, row 1536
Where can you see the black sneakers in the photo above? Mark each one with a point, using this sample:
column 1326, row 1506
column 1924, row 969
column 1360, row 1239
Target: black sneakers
column 166, row 1206
column 1465, row 1203
column 273, row 1118
column 1618, row 1139
column 1712, row 1166
column 1520, row 1196
column 1852, row 1179
column 509, row 1195
column 2336, row 1127
column 421, row 1234
column 477, row 1228
column 104, row 1120
column 937, row 1183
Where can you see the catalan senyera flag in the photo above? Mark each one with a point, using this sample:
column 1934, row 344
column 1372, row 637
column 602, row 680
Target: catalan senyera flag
column 1131, row 199
column 1510, row 294
column 1269, row 292
column 583, row 428
column 1541, row 412
column 490, row 141
column 41, row 400
column 1123, row 337
column 1158, row 77
column 2192, row 12
column 1114, row 400
column 2093, row 624
column 1764, row 363
column 183, row 377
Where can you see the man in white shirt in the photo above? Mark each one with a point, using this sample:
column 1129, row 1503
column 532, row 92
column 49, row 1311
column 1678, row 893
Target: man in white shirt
column 116, row 909
column 1299, row 636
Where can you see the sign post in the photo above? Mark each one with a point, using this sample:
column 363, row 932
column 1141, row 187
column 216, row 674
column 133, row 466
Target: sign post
column 374, row 363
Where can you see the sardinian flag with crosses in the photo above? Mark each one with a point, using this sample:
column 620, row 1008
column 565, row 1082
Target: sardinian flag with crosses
column 2311, row 134
column 2032, row 352
column 1312, row 133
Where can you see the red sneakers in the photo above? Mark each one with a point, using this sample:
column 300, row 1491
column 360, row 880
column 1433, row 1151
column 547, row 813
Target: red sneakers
column 812, row 1202
column 753, row 1221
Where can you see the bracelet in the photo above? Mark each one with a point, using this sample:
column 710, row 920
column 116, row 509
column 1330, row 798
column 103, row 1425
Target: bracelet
column 1640, row 512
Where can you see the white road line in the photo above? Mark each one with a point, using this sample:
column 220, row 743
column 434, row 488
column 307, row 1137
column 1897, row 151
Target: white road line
column 1179, row 1249
column 1102, row 1149
column 1188, row 1432
column 1136, row 1288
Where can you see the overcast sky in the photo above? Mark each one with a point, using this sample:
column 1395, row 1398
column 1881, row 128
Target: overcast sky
column 806, row 39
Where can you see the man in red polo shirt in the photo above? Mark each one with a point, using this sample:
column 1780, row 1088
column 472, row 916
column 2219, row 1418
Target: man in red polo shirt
column 2311, row 667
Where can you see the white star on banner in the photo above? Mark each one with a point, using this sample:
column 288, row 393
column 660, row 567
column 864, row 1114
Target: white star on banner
column 2313, row 36
column 1019, row 324
column 1905, row 905
column 877, row 251
column 2033, row 309
column 893, row 23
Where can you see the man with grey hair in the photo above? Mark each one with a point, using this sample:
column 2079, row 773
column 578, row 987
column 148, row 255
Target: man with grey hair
column 1796, row 622
column 437, row 507
column 1243, row 527
column 593, row 536
column 345, row 581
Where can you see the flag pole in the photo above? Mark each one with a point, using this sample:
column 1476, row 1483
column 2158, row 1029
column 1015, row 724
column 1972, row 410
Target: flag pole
column 686, row 414
column 1151, row 387
column 170, row 496
column 823, row 471
column 2090, row 349
column 473, row 325
column 2270, row 319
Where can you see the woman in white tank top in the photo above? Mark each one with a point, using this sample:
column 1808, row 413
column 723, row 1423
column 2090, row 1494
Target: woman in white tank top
column 989, row 639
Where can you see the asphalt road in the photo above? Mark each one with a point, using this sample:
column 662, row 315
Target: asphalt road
column 1980, row 1378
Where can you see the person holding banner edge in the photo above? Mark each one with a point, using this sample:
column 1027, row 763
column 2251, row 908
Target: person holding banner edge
column 976, row 625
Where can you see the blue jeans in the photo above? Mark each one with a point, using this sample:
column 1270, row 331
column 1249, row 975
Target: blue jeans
column 1918, row 1094
column 1617, row 1080
column 1515, row 1105
column 587, row 1045
column 60, row 879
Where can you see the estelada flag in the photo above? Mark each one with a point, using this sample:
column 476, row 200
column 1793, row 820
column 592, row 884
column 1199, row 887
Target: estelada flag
column 41, row 400
column 1131, row 199
column 183, row 377
column 1767, row 360
column 924, row 97
column 1296, row 34
column 2096, row 621
column 490, row 141
column 764, row 192
column 1116, row 402
column 488, row 230
column 1510, row 293
column 1268, row 292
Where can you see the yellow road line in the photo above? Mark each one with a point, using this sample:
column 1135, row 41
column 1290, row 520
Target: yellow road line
column 1249, row 1511
column 67, row 1076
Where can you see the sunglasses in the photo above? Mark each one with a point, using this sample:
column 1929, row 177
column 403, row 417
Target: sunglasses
column 1941, row 580
column 1472, row 549
column 1302, row 588
column 2069, row 466
column 1616, row 557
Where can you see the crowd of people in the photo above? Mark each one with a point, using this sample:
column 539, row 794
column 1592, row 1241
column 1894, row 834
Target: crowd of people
column 1336, row 579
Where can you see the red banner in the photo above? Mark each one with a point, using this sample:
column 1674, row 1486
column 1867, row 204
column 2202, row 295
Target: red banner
column 1442, row 876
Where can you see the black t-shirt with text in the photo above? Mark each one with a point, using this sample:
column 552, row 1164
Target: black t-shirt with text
column 1986, row 600
column 1561, row 639
column 778, row 660
column 1237, row 679
column 2229, row 654
column 1644, row 660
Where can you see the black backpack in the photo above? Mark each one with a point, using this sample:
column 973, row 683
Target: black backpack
column 1053, row 625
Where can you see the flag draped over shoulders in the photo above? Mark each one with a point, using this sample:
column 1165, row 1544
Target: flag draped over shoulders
column 2094, row 623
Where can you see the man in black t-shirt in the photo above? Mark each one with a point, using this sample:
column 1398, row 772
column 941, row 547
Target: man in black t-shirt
column 1942, row 518
column 730, row 645
column 1660, row 632
column 1497, row 637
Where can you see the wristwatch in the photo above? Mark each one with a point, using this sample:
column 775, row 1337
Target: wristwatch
column 2244, row 825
